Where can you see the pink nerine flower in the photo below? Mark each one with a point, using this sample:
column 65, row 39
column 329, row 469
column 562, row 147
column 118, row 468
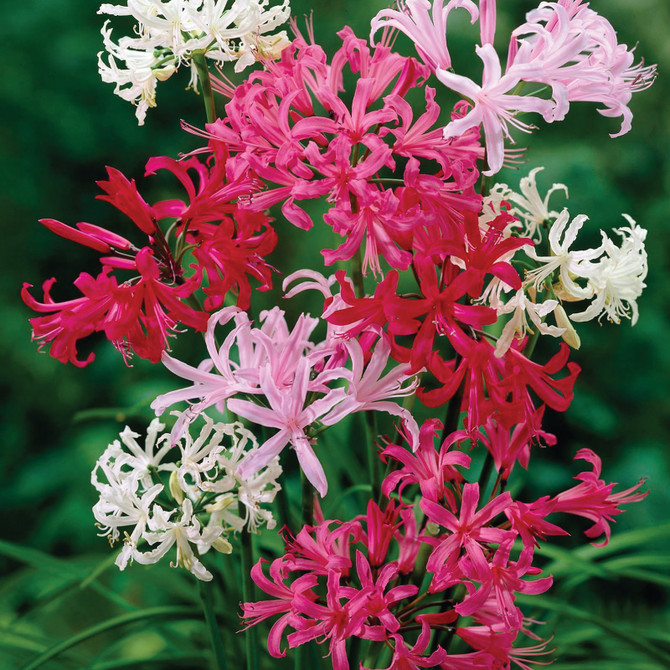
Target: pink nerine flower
column 494, row 106
column 565, row 45
column 576, row 51
column 593, row 499
column 412, row 658
column 500, row 580
column 287, row 413
column 426, row 28
column 428, row 467
column 369, row 389
column 281, row 602
column 468, row 531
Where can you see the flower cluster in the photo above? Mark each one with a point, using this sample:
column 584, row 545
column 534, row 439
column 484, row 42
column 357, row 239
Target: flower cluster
column 227, row 242
column 360, row 579
column 287, row 379
column 611, row 276
column 178, row 32
column 564, row 45
column 293, row 127
column 196, row 501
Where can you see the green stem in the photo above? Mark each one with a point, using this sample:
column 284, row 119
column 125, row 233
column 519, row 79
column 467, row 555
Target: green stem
column 374, row 462
column 485, row 474
column 357, row 274
column 307, row 501
column 205, row 85
column 387, row 180
column 284, row 508
column 250, row 634
column 530, row 345
column 212, row 625
column 445, row 638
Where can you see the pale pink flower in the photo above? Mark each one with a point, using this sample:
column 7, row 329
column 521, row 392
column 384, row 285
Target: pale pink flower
column 287, row 413
column 369, row 389
column 426, row 26
column 494, row 107
column 213, row 381
column 578, row 55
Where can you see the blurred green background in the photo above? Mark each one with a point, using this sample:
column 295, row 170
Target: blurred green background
column 61, row 125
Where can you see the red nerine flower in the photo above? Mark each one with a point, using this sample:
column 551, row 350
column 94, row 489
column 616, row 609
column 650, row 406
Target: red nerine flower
column 136, row 316
column 227, row 240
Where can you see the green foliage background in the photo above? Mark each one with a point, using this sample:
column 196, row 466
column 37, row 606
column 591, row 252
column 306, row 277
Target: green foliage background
column 61, row 126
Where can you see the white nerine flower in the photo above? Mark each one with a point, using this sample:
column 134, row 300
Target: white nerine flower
column 531, row 208
column 612, row 276
column 193, row 502
column 198, row 457
column 253, row 491
column 492, row 208
column 617, row 280
column 170, row 32
column 126, row 464
column 521, row 308
column 165, row 533
column 570, row 264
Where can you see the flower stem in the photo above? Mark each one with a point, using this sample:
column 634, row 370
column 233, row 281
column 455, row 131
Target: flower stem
column 301, row 653
column 250, row 634
column 374, row 463
column 205, row 85
column 212, row 625
column 485, row 474
column 531, row 343
column 307, row 501
column 357, row 274
column 284, row 508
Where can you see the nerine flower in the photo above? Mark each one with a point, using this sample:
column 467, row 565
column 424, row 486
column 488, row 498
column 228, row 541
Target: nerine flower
column 291, row 377
column 156, row 493
column 495, row 107
column 292, row 127
column 594, row 499
column 170, row 33
column 140, row 314
column 569, row 264
column 521, row 308
column 425, row 26
column 564, row 45
column 529, row 205
column 288, row 413
column 617, row 279
column 612, row 276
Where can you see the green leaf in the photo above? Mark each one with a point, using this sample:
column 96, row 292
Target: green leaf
column 566, row 562
column 118, row 414
column 110, row 624
column 634, row 639
column 634, row 538
column 38, row 559
column 188, row 661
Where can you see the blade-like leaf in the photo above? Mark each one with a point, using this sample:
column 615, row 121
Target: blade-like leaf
column 163, row 662
column 110, row 624
column 636, row 639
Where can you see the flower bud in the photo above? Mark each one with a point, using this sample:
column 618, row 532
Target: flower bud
column 175, row 489
column 570, row 336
